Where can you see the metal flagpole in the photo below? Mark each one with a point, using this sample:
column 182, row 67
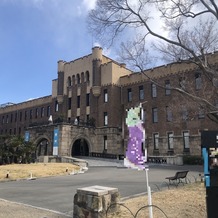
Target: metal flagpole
column 149, row 195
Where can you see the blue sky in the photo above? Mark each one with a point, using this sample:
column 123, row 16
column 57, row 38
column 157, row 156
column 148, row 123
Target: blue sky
column 34, row 35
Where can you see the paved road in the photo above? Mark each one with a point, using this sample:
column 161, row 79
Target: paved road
column 56, row 193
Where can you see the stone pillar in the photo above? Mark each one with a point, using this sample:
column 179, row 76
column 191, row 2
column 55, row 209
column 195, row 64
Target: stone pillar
column 93, row 202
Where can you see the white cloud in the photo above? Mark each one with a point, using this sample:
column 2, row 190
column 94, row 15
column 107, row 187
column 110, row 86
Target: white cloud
column 89, row 4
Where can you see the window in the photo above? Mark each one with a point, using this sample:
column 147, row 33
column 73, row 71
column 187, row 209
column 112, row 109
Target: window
column 87, row 118
column 167, row 87
column 105, row 119
column 184, row 113
column 87, row 76
column 186, row 139
column 78, row 101
column 182, row 83
column 198, row 81
column 129, row 93
column 69, row 103
column 7, row 119
column 15, row 119
column 105, row 143
column 25, row 115
column 11, row 118
column 154, row 115
column 20, row 115
column 170, row 140
column 3, row 119
column 169, row 114
column 105, row 95
column 78, row 78
column 156, row 141
column 153, row 90
column 48, row 111
column 37, row 113
column 56, row 106
column 42, row 112
column 141, row 92
column 87, row 99
column 31, row 114
column 201, row 114
column 69, row 83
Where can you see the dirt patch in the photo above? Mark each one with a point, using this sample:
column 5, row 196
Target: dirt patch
column 182, row 202
column 22, row 171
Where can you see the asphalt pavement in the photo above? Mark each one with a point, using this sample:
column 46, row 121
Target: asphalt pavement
column 53, row 196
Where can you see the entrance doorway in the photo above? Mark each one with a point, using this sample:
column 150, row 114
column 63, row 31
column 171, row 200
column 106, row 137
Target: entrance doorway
column 80, row 148
column 42, row 148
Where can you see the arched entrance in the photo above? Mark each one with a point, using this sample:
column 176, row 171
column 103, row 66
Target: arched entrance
column 42, row 147
column 80, row 148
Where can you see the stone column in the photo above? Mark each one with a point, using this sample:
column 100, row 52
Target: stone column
column 93, row 201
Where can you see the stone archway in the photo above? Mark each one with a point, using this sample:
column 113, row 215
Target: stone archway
column 80, row 148
column 42, row 147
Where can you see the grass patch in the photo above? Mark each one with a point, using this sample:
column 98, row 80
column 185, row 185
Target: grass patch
column 22, row 171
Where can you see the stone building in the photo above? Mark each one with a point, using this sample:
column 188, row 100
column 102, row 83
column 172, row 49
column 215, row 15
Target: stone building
column 85, row 114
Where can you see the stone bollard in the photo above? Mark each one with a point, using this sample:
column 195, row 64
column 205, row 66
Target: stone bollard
column 93, row 202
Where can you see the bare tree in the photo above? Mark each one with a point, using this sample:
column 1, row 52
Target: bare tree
column 181, row 30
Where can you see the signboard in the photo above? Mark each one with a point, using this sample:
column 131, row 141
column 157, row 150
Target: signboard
column 55, row 142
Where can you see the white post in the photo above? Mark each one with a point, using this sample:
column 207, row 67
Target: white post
column 149, row 195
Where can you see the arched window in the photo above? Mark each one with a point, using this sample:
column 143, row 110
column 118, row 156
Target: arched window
column 78, row 78
column 69, row 81
column 87, row 76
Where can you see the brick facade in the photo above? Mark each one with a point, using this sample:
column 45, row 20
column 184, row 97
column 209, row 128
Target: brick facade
column 97, row 88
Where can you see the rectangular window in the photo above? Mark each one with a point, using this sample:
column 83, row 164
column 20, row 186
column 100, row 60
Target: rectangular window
column 184, row 113
column 198, row 81
column 105, row 143
column 25, row 115
column 105, row 119
column 56, row 106
column 169, row 114
column 167, row 87
column 20, row 115
column 154, row 115
column 78, row 101
column 42, row 112
column 48, row 111
column 15, row 119
column 3, row 119
column 7, row 119
column 129, row 93
column 69, row 103
column 182, row 83
column 141, row 92
column 156, row 141
column 153, row 90
column 201, row 114
column 11, row 118
column 170, row 140
column 31, row 114
column 87, row 118
column 87, row 99
column 105, row 95
column 36, row 113
column 186, row 139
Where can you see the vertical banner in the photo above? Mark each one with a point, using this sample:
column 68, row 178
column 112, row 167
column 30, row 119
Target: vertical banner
column 135, row 157
column 27, row 136
column 55, row 142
